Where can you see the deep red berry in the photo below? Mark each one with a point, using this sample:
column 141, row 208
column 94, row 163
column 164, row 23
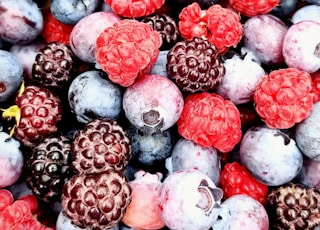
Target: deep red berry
column 134, row 9
column 315, row 86
column 32, row 202
column 284, row 98
column 221, row 26
column 126, row 50
column 252, row 8
column 6, row 198
column 55, row 31
column 210, row 121
column 236, row 179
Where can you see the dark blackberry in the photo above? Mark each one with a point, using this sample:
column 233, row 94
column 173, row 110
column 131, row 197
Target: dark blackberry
column 167, row 27
column 48, row 168
column 53, row 66
column 195, row 65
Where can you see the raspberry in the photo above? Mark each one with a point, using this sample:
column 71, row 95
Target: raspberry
column 210, row 121
column 252, row 8
column 6, row 199
column 236, row 179
column 134, row 9
column 315, row 86
column 284, row 97
column 55, row 31
column 126, row 50
column 221, row 26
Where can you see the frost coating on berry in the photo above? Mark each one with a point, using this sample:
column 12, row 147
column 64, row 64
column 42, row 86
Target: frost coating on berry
column 127, row 50
column 284, row 98
column 211, row 121
column 153, row 103
column 309, row 175
column 102, row 144
column 272, row 166
column 189, row 200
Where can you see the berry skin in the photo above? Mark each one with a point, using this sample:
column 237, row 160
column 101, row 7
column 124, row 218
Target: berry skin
column 236, row 179
column 252, row 8
column 211, row 121
column 127, row 50
column 284, row 97
column 221, row 26
column 55, row 31
column 134, row 9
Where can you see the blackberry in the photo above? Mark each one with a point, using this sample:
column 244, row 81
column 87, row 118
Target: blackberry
column 100, row 145
column 195, row 65
column 53, row 66
column 48, row 168
column 293, row 206
column 167, row 27
column 96, row 201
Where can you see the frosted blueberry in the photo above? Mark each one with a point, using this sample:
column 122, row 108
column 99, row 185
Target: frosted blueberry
column 160, row 66
column 285, row 8
column 270, row 155
column 188, row 155
column 11, row 75
column 309, row 175
column 307, row 134
column 308, row 12
column 242, row 212
column 150, row 149
column 71, row 11
column 92, row 95
column 21, row 21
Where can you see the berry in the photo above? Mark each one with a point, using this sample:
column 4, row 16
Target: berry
column 221, row 26
column 236, row 179
column 101, row 144
column 144, row 212
column 53, row 65
column 88, row 106
column 21, row 21
column 251, row 8
column 307, row 134
column 284, row 98
column 6, row 199
column 242, row 212
column 55, row 31
column 159, row 103
column 11, row 75
column 127, row 50
column 292, row 206
column 71, row 11
column 167, row 27
column 48, row 167
column 285, row 8
column 211, row 121
column 195, row 65
column 307, row 12
column 134, row 9
column 275, row 167
column 97, row 200
column 309, row 174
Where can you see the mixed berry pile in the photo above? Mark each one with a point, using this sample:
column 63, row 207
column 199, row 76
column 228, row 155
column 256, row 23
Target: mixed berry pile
column 160, row 114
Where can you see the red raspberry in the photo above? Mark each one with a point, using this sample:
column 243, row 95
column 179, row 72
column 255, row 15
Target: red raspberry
column 6, row 198
column 210, row 121
column 315, row 86
column 127, row 50
column 284, row 97
column 221, row 26
column 236, row 179
column 252, row 8
column 55, row 31
column 134, row 9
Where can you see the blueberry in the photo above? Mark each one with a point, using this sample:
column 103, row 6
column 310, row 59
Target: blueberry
column 71, row 11
column 284, row 8
column 91, row 95
column 21, row 21
column 11, row 75
column 308, row 12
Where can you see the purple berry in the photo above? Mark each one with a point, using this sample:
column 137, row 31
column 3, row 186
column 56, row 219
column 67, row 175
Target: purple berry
column 307, row 134
column 153, row 103
column 242, row 212
column 188, row 155
column 270, row 155
column 240, row 80
column 11, row 75
column 92, row 95
column 11, row 160
column 21, row 21
column 72, row 11
column 309, row 175
column 189, row 200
